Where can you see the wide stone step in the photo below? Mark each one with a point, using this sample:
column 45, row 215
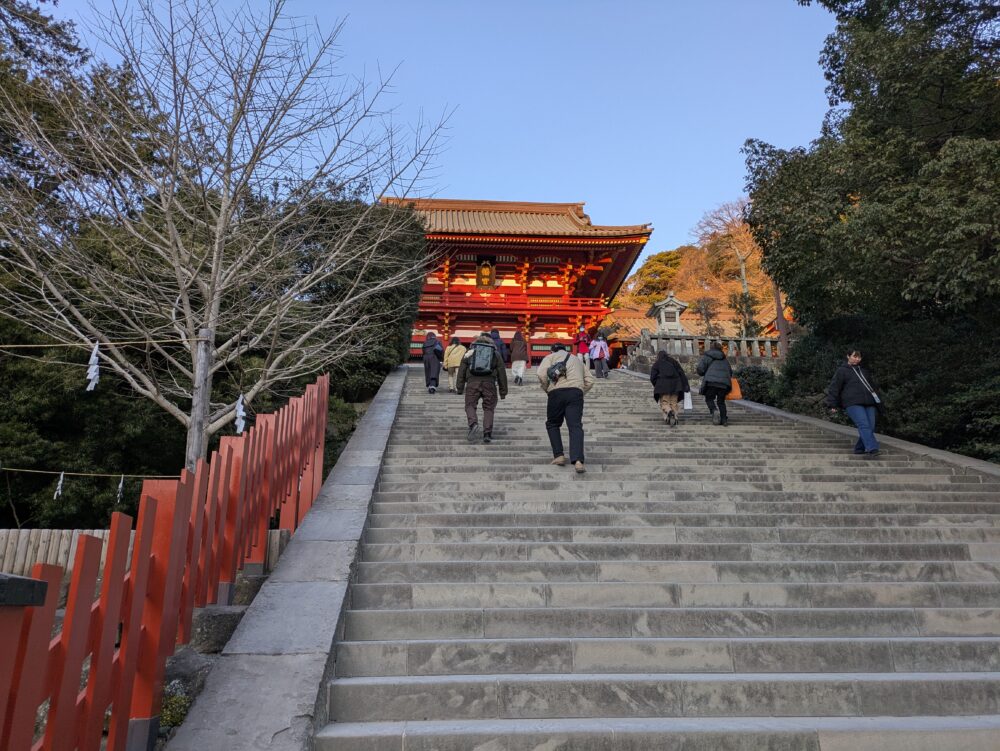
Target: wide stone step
column 721, row 506
column 669, row 734
column 382, row 625
column 658, row 595
column 637, row 655
column 597, row 482
column 678, row 533
column 677, row 571
column 527, row 696
column 718, row 521
column 643, row 551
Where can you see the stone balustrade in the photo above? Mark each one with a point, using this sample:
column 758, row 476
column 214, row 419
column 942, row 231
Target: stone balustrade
column 757, row 347
column 687, row 349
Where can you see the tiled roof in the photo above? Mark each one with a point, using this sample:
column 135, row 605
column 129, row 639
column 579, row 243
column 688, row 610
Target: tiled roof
column 447, row 216
column 630, row 322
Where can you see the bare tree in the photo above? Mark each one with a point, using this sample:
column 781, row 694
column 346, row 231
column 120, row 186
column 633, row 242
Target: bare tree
column 215, row 199
column 726, row 229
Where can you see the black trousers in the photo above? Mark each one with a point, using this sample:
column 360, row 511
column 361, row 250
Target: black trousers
column 715, row 396
column 565, row 404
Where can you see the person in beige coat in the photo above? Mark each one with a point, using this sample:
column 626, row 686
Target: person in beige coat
column 565, row 403
column 453, row 360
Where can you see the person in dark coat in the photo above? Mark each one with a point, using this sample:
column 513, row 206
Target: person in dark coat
column 519, row 359
column 717, row 380
column 433, row 355
column 853, row 390
column 501, row 347
column 483, row 387
column 669, row 384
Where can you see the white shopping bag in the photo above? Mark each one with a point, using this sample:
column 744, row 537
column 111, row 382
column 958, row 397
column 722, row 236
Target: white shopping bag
column 688, row 403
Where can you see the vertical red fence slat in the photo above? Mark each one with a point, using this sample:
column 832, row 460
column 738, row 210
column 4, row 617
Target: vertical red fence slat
column 127, row 659
column 230, row 521
column 191, row 538
column 30, row 663
column 11, row 622
column 192, row 557
column 69, row 650
column 219, row 488
column 94, row 701
column 159, row 616
column 286, row 493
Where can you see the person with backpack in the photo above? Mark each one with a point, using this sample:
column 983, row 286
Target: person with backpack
column 581, row 345
column 433, row 355
column 565, row 379
column 717, row 380
column 453, row 355
column 853, row 390
column 669, row 384
column 519, row 358
column 599, row 356
column 480, row 375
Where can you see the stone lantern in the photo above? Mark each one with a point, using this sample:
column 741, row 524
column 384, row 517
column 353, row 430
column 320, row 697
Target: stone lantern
column 668, row 315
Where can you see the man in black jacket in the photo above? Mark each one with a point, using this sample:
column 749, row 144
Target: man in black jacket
column 482, row 384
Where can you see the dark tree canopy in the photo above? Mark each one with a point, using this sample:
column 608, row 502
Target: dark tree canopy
column 895, row 208
column 886, row 228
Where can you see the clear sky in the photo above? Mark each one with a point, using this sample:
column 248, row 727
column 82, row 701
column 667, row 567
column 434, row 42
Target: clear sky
column 637, row 107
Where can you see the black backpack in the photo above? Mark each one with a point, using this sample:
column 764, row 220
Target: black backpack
column 482, row 359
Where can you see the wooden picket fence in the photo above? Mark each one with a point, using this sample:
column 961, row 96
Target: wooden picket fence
column 191, row 537
column 21, row 549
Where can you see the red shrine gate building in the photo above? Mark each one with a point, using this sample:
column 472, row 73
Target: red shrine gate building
column 541, row 268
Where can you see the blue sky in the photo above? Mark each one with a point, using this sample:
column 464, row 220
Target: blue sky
column 637, row 107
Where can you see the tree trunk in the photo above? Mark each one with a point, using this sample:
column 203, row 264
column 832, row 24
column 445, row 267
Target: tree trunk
column 779, row 318
column 201, row 394
column 743, row 274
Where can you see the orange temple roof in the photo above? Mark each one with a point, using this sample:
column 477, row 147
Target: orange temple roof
column 451, row 216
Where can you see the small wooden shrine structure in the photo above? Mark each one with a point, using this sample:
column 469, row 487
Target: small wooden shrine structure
column 541, row 268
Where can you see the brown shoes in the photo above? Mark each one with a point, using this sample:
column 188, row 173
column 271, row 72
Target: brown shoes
column 559, row 461
column 580, row 469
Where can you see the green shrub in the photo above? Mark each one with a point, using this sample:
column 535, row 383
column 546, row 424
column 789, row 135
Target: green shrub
column 940, row 380
column 756, row 383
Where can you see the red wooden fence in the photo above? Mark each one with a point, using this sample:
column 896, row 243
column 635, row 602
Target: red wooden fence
column 192, row 536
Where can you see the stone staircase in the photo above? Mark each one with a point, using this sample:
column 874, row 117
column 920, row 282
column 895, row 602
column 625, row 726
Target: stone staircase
column 700, row 588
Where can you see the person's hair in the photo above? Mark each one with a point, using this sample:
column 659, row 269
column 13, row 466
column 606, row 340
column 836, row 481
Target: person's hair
column 456, row 340
column 663, row 356
column 494, row 331
column 558, row 347
column 855, row 351
column 717, row 345
column 518, row 337
column 431, row 336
